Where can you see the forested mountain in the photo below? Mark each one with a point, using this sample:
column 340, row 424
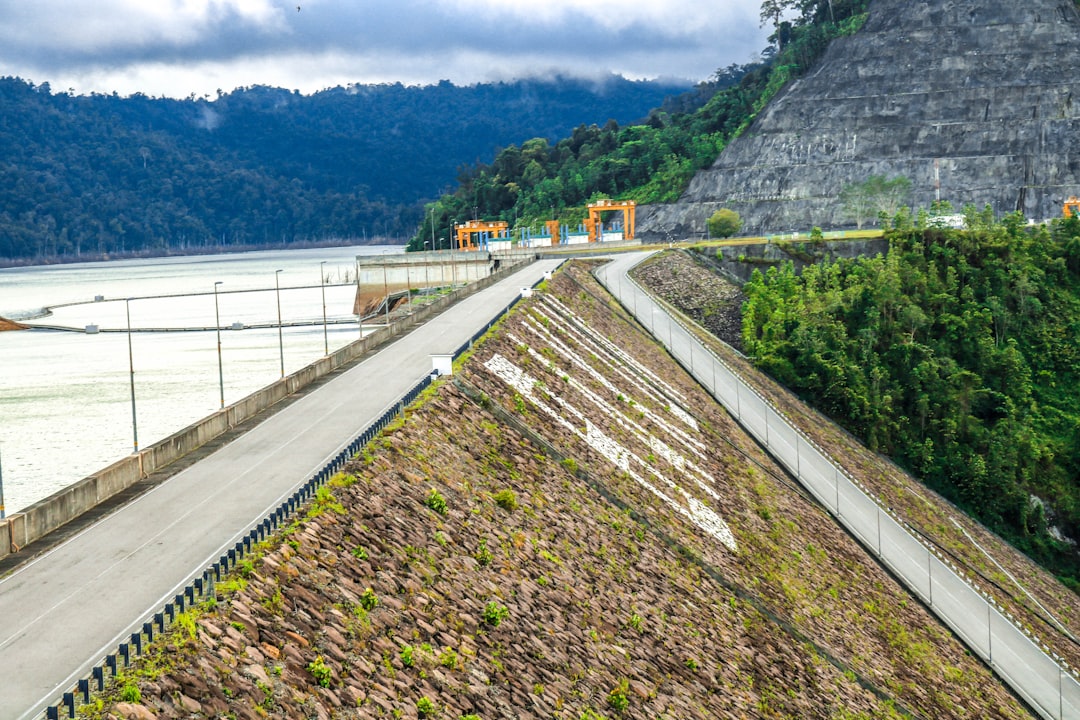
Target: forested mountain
column 103, row 174
column 651, row 161
column 958, row 355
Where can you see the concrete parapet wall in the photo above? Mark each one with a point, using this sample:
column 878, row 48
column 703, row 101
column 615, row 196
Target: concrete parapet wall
column 43, row 517
column 52, row 512
column 162, row 453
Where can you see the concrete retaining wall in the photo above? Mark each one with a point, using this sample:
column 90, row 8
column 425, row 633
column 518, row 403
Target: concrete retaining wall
column 38, row 520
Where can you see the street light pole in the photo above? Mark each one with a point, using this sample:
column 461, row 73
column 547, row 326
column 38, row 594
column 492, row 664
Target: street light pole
column 386, row 294
column 217, row 327
column 2, row 513
column 280, row 337
column 427, row 262
column 322, row 284
column 131, row 368
column 356, row 302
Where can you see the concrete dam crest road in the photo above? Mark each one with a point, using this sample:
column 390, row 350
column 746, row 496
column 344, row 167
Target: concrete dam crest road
column 61, row 613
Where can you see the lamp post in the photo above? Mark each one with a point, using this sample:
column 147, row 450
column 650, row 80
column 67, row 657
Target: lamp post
column 356, row 302
column 217, row 327
column 322, row 285
column 131, row 368
column 2, row 513
column 427, row 262
column 280, row 337
column 432, row 227
column 386, row 294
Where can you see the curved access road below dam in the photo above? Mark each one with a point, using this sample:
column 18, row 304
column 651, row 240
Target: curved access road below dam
column 1051, row 690
column 62, row 612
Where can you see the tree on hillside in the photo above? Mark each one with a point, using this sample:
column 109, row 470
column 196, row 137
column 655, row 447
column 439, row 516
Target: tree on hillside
column 724, row 223
column 866, row 200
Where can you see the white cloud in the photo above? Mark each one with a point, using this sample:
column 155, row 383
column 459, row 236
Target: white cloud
column 179, row 47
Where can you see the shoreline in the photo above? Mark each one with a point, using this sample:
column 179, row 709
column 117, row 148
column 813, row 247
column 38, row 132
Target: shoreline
column 6, row 325
column 9, row 263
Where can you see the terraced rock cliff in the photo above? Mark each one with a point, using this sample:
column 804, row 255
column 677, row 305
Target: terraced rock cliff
column 569, row 528
column 975, row 101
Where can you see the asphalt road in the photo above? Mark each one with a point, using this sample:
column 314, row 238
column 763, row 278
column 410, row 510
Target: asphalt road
column 63, row 612
column 1029, row 671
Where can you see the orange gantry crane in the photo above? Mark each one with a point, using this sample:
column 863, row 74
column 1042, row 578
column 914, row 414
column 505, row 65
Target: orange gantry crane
column 465, row 233
column 627, row 207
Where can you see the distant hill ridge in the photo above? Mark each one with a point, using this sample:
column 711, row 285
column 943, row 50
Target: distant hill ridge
column 972, row 100
column 104, row 174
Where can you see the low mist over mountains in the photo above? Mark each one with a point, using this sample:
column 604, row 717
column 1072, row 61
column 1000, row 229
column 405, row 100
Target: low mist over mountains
column 104, row 174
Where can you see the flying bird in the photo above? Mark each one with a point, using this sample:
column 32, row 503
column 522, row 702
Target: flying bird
column 297, row 8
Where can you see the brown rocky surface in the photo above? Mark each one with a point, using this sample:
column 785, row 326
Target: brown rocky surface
column 713, row 303
column 6, row 324
column 568, row 528
column 1016, row 583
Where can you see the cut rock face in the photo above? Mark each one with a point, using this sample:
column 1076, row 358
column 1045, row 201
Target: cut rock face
column 974, row 101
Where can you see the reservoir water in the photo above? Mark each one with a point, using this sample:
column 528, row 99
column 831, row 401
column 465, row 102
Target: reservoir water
column 65, row 397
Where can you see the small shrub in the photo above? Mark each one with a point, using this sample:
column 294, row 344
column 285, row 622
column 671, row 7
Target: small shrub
column 636, row 621
column 506, row 499
column 692, row 664
column 130, row 693
column 407, row 656
column 617, row 698
column 494, row 613
column 483, row 555
column 320, row 671
column 448, row 658
column 425, row 707
column 436, row 501
column 368, row 600
column 360, row 553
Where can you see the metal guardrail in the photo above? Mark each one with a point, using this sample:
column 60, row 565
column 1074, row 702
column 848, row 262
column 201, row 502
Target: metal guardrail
column 203, row 586
column 1027, row 665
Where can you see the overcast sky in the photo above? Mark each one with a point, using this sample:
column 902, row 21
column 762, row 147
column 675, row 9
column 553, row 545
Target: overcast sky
column 178, row 47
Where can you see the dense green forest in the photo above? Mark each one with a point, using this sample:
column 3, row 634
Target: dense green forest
column 651, row 161
column 103, row 174
column 958, row 354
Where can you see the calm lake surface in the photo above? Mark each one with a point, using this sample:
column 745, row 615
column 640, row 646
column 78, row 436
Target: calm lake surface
column 65, row 397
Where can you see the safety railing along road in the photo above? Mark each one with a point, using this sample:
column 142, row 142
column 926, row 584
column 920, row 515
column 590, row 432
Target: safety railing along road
column 1037, row 675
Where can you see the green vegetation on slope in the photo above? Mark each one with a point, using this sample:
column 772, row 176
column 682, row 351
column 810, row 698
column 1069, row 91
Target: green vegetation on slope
column 958, row 354
column 649, row 162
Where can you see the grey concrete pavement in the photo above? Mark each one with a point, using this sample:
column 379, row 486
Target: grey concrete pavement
column 1036, row 677
column 64, row 611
